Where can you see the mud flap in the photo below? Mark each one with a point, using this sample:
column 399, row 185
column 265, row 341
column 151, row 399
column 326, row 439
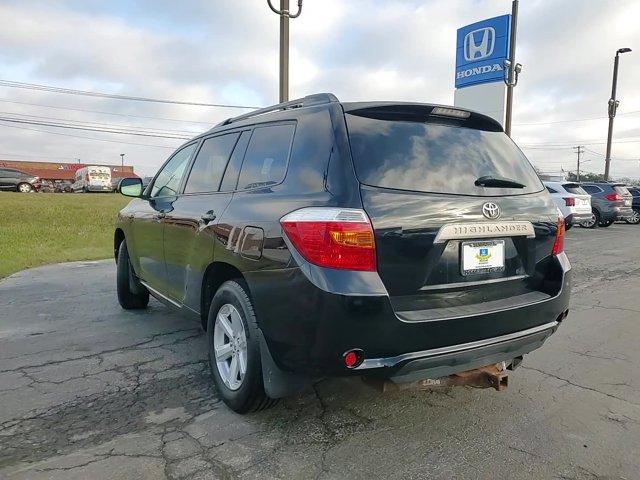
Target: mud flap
column 278, row 384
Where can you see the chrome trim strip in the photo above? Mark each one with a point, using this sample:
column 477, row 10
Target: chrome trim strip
column 156, row 292
column 459, row 231
column 392, row 361
column 446, row 286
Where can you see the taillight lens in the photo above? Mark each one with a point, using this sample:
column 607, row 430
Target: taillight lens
column 613, row 197
column 339, row 238
column 558, row 244
column 570, row 202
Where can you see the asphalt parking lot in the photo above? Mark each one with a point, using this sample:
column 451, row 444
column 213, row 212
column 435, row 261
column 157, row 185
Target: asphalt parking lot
column 88, row 391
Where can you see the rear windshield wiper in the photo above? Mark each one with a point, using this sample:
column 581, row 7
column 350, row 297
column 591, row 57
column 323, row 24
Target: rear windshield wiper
column 497, row 182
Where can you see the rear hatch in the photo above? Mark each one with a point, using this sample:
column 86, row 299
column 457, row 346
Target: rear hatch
column 582, row 198
column 626, row 199
column 449, row 245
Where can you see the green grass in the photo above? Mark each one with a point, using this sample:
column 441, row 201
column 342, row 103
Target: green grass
column 42, row 228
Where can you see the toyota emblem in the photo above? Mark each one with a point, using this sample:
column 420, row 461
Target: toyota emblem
column 491, row 210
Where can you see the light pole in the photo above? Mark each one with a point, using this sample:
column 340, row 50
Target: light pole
column 122, row 158
column 613, row 106
column 285, row 15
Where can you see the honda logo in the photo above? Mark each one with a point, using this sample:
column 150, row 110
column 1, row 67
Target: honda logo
column 479, row 44
column 491, row 210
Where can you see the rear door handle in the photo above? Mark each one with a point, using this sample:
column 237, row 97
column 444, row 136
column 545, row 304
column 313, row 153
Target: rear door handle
column 210, row 216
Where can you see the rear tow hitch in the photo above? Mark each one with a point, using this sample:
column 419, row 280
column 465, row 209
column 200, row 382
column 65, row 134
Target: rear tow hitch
column 491, row 376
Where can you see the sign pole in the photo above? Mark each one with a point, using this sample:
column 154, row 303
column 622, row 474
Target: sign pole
column 512, row 65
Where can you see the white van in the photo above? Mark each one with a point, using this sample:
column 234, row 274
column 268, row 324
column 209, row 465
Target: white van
column 93, row 179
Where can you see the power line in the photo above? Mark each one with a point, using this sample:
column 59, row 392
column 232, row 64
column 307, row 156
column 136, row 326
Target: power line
column 89, row 129
column 573, row 120
column 101, row 124
column 89, row 138
column 108, row 113
column 70, row 91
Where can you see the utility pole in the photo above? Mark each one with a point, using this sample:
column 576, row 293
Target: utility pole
column 579, row 150
column 122, row 158
column 613, row 106
column 512, row 69
column 285, row 15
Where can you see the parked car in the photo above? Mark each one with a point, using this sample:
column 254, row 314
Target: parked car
column 63, row 186
column 18, row 181
column 571, row 200
column 316, row 238
column 92, row 179
column 609, row 202
column 635, row 205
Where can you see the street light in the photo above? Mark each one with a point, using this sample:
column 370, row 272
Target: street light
column 613, row 106
column 122, row 158
column 285, row 15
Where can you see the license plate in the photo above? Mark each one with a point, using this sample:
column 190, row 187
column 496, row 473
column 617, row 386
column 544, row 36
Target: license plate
column 482, row 257
column 627, row 203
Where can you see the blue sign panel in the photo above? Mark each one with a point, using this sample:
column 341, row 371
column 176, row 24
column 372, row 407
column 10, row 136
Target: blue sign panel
column 481, row 49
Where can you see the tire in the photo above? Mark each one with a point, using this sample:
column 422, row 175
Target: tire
column 606, row 224
column 634, row 219
column 125, row 279
column 245, row 392
column 24, row 187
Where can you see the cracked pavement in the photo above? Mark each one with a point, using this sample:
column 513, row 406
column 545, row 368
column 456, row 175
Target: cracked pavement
column 89, row 391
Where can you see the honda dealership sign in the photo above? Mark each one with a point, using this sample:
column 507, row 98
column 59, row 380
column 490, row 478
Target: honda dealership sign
column 481, row 50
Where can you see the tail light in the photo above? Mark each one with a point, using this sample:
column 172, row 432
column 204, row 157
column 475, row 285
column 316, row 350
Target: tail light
column 570, row 202
column 613, row 197
column 558, row 245
column 339, row 238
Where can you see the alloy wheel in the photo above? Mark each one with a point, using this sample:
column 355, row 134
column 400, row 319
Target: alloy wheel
column 589, row 223
column 634, row 218
column 24, row 188
column 230, row 346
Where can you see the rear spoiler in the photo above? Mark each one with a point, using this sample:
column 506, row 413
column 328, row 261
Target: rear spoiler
column 423, row 113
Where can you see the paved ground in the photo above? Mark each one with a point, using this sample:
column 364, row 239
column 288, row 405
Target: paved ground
column 88, row 391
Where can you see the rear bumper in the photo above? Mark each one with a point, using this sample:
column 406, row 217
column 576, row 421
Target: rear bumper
column 307, row 328
column 575, row 218
column 441, row 362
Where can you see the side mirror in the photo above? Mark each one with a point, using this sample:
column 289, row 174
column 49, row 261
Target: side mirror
column 130, row 187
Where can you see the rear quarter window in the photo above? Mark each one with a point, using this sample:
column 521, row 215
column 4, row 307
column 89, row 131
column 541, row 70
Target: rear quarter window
column 429, row 157
column 265, row 162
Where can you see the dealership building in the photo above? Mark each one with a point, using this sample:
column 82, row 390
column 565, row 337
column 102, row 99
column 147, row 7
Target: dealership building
column 53, row 171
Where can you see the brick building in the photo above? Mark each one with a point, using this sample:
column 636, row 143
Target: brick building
column 53, row 171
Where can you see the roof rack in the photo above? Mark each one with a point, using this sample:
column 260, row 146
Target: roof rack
column 309, row 100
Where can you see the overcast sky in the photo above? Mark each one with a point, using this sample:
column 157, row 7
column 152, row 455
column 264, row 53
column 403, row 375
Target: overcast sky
column 217, row 51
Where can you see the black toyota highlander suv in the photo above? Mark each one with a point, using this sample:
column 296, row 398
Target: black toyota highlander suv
column 317, row 238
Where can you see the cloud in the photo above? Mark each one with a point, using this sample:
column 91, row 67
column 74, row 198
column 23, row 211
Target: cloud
column 227, row 52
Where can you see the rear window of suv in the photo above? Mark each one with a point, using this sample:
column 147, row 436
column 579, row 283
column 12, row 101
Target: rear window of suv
column 430, row 157
column 575, row 189
column 620, row 190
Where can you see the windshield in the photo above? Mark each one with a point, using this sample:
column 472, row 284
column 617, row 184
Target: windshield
column 436, row 158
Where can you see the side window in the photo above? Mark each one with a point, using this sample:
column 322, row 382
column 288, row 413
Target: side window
column 265, row 162
column 591, row 189
column 551, row 190
column 168, row 180
column 230, row 179
column 210, row 163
